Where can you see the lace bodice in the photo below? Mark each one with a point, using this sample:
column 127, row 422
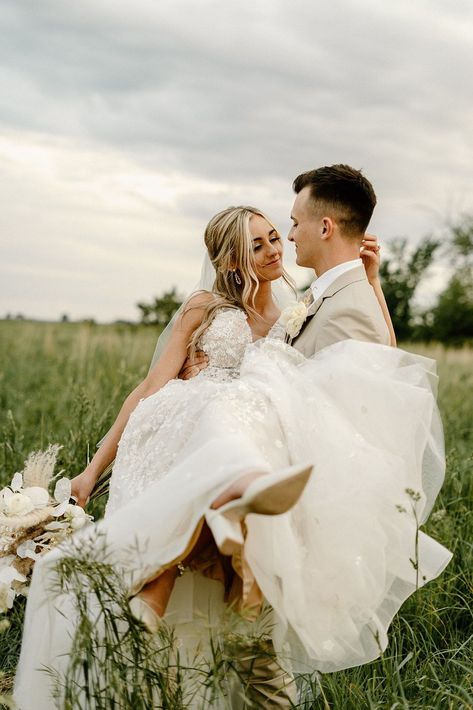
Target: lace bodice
column 225, row 342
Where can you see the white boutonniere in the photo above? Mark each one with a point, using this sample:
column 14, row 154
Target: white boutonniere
column 293, row 318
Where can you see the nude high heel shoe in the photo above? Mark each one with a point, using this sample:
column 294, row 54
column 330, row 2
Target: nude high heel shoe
column 142, row 611
column 269, row 494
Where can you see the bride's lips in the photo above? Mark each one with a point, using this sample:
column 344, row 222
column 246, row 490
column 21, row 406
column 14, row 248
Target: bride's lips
column 273, row 263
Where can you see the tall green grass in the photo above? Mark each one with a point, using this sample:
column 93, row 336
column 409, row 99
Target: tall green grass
column 65, row 383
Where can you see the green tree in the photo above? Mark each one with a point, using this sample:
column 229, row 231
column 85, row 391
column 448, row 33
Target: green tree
column 161, row 310
column 401, row 273
column 462, row 241
column 452, row 317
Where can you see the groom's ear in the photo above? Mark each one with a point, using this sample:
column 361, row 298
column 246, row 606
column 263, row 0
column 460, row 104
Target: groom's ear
column 326, row 229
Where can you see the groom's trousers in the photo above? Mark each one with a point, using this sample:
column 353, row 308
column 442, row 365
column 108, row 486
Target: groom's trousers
column 266, row 684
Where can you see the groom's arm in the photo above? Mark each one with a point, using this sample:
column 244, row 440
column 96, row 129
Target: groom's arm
column 353, row 313
column 335, row 326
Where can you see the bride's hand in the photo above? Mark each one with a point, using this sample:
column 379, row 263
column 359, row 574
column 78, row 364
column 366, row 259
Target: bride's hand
column 369, row 253
column 193, row 366
column 82, row 486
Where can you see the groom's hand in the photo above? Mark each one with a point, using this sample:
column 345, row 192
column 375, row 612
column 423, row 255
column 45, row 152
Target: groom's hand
column 194, row 365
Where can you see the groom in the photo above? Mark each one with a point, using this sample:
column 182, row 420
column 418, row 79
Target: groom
column 331, row 212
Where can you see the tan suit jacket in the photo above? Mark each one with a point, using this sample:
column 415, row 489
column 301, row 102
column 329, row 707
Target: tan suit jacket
column 348, row 309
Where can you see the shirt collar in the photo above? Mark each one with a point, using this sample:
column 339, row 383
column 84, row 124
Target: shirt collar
column 322, row 283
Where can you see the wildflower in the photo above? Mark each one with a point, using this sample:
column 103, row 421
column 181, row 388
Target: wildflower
column 39, row 496
column 17, row 504
column 77, row 516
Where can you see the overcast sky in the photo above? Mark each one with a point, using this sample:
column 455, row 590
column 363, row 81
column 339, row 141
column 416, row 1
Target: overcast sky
column 126, row 125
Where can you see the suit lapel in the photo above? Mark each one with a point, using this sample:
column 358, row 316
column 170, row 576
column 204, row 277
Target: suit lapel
column 349, row 277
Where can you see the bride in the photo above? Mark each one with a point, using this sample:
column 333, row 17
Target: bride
column 220, row 466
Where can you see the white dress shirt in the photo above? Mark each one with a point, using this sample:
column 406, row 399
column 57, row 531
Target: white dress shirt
column 322, row 283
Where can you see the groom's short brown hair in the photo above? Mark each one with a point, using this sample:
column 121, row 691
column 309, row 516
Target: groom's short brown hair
column 345, row 191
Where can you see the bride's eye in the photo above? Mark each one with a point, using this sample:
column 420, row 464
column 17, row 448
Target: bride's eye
column 276, row 239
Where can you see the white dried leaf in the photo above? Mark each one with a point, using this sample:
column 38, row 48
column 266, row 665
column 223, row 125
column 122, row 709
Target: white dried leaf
column 17, row 482
column 60, row 509
column 55, row 525
column 62, row 491
column 27, row 549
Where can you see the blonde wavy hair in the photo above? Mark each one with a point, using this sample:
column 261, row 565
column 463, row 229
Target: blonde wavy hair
column 230, row 247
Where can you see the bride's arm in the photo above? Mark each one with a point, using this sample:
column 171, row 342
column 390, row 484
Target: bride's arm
column 166, row 369
column 370, row 257
column 376, row 284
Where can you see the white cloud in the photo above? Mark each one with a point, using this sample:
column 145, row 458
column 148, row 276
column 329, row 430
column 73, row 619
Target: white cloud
column 126, row 126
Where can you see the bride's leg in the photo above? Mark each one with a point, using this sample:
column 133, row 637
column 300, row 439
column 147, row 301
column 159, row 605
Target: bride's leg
column 158, row 592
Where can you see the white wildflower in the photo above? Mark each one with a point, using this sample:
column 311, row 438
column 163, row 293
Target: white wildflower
column 4, row 625
column 39, row 496
column 77, row 516
column 7, row 597
column 8, row 575
column 17, row 504
column 438, row 515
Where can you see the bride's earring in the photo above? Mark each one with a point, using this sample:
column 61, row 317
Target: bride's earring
column 237, row 277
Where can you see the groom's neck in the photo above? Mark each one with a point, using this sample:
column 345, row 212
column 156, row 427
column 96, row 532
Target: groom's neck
column 335, row 257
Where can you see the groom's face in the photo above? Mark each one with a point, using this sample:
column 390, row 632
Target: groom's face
column 305, row 230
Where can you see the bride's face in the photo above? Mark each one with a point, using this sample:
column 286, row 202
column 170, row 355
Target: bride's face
column 267, row 249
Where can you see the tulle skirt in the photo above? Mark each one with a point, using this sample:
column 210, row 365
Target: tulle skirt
column 335, row 568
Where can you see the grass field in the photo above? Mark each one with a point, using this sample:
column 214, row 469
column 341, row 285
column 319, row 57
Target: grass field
column 65, row 383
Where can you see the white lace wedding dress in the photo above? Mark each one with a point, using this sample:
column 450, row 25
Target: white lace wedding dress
column 335, row 568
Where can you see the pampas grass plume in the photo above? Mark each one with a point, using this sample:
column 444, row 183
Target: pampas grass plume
column 39, row 467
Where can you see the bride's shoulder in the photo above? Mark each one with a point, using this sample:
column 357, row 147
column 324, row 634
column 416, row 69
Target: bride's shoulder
column 198, row 310
column 200, row 299
column 193, row 311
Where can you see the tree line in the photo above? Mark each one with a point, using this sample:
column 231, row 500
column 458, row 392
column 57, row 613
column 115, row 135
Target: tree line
column 449, row 319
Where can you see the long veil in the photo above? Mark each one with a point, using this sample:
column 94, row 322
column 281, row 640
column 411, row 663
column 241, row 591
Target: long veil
column 205, row 283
